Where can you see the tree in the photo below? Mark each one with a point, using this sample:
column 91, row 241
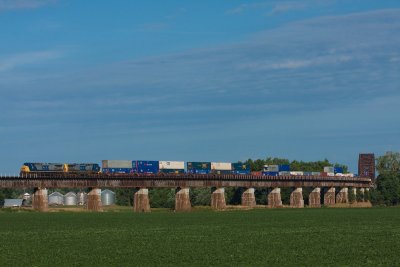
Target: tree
column 388, row 181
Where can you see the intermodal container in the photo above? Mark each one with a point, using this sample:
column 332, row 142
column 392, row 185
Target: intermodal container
column 171, row 165
column 338, row 170
column 271, row 168
column 331, row 174
column 256, row 173
column 270, row 173
column 297, row 173
column 284, row 168
column 221, row 166
column 198, row 167
column 172, row 170
column 329, row 169
column 316, row 173
column 118, row 170
column 146, row 166
column 116, row 164
column 307, row 173
column 241, row 172
column 284, row 173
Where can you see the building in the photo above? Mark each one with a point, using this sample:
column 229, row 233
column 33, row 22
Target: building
column 366, row 165
column 12, row 203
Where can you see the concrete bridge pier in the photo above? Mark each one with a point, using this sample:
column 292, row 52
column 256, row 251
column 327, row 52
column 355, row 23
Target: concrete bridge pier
column 141, row 202
column 218, row 199
column 314, row 199
column 248, row 198
column 330, row 197
column 362, row 194
column 354, row 190
column 40, row 199
column 94, row 200
column 274, row 198
column 296, row 198
column 182, row 200
column 343, row 196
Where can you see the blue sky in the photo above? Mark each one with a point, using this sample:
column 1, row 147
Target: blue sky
column 82, row 81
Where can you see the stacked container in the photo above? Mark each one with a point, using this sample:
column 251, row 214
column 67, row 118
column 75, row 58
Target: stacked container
column 198, row 167
column 146, row 166
column 171, row 166
column 240, row 168
column 338, row 170
column 329, row 169
column 271, row 170
column 117, row 166
column 221, row 167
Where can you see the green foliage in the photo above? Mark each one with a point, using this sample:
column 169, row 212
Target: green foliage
column 388, row 183
column 352, row 197
column 281, row 237
column 200, row 196
column 162, row 197
column 388, row 163
column 124, row 196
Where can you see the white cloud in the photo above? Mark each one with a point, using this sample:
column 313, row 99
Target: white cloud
column 24, row 4
column 19, row 60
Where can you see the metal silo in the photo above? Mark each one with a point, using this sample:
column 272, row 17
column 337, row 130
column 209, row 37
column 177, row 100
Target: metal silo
column 81, row 198
column 70, row 199
column 56, row 199
column 107, row 197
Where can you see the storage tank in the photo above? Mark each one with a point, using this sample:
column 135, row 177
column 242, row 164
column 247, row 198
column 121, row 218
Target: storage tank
column 81, row 198
column 56, row 199
column 107, row 197
column 70, row 199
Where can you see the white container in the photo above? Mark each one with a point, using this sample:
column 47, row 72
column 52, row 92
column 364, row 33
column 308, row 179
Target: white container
column 329, row 169
column 284, row 173
column 271, row 168
column 168, row 165
column 221, row 166
column 339, row 174
column 296, row 173
column 315, row 173
column 331, row 174
column 116, row 163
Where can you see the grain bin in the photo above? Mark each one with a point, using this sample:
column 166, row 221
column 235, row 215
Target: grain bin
column 56, row 199
column 107, row 197
column 81, row 198
column 70, row 199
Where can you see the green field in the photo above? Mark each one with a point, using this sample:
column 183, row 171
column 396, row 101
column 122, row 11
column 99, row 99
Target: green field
column 260, row 237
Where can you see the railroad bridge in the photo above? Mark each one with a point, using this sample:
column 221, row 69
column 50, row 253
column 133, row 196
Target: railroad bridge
column 333, row 189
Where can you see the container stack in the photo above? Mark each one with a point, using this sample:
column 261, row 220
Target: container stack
column 171, row 166
column 198, row 167
column 240, row 168
column 117, row 166
column 221, row 167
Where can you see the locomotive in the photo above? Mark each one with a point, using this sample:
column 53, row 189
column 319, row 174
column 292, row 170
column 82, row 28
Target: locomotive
column 39, row 167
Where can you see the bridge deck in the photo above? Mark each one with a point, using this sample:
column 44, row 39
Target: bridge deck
column 65, row 180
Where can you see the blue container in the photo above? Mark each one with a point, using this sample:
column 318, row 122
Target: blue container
column 270, row 173
column 241, row 171
column 284, row 168
column 199, row 171
column 338, row 170
column 145, row 166
column 172, row 170
column 117, row 170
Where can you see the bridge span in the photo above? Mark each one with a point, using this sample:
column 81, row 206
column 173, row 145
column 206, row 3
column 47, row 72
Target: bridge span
column 329, row 189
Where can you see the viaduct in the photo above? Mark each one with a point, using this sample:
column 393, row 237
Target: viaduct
column 329, row 189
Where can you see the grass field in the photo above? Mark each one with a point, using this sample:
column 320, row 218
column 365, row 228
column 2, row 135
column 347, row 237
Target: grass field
column 260, row 237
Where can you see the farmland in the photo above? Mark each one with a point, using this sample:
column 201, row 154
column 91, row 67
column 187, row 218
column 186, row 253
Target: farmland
column 260, row 237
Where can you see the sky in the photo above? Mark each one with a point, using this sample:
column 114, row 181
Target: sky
column 227, row 80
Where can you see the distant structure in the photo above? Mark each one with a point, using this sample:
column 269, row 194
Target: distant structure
column 366, row 165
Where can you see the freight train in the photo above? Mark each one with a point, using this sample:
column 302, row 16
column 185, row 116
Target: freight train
column 113, row 167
